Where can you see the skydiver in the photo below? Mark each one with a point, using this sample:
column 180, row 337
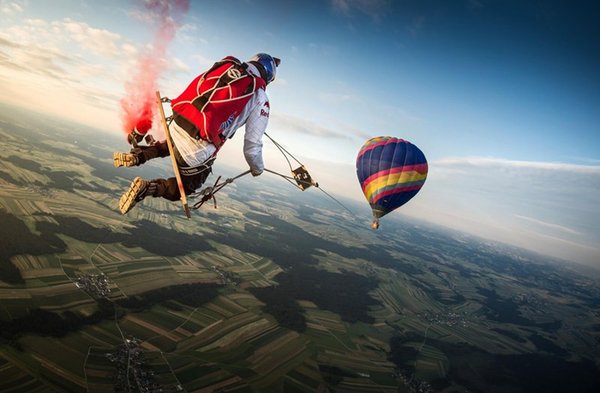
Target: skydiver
column 205, row 115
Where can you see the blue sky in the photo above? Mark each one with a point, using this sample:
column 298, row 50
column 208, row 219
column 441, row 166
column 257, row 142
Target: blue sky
column 503, row 97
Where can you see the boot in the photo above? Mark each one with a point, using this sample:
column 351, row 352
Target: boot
column 125, row 159
column 138, row 190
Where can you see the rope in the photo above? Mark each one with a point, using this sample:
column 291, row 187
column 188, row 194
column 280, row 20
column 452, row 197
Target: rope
column 284, row 152
column 289, row 179
column 208, row 193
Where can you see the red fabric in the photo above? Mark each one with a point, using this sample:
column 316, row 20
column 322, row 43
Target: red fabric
column 225, row 104
column 144, row 125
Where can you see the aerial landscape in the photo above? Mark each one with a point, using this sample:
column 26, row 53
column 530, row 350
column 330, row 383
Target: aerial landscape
column 240, row 298
column 383, row 196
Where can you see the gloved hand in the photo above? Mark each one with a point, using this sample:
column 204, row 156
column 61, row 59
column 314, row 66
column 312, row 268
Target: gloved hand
column 134, row 137
column 256, row 172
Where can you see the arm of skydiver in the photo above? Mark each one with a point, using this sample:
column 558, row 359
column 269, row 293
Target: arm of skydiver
column 253, row 138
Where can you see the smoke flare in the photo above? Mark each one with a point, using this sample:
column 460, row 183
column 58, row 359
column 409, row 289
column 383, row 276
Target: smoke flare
column 138, row 105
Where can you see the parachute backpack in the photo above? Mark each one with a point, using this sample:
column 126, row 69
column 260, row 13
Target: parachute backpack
column 208, row 106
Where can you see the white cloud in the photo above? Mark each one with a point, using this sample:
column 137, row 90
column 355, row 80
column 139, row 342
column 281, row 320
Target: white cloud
column 416, row 25
column 587, row 160
column 202, row 60
column 97, row 41
column 281, row 82
column 35, row 58
column 341, row 6
column 548, row 207
column 498, row 162
column 69, row 68
column 547, row 224
column 375, row 9
column 323, row 50
column 44, row 48
column 177, row 65
column 36, row 22
column 474, row 4
column 302, row 126
column 571, row 245
column 64, row 67
column 10, row 8
column 130, row 51
column 339, row 99
column 141, row 15
column 188, row 32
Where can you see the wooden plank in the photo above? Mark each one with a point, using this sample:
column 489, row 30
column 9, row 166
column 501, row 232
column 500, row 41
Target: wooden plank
column 186, row 208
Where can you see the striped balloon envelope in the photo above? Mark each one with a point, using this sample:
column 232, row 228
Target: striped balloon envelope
column 391, row 171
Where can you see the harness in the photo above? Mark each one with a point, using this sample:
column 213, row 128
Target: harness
column 195, row 170
column 211, row 103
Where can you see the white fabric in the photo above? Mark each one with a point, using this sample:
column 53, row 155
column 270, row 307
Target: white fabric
column 255, row 116
column 194, row 152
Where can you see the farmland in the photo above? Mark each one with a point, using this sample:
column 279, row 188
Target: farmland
column 280, row 292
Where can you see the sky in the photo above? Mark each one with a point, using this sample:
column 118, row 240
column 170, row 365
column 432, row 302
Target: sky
column 503, row 97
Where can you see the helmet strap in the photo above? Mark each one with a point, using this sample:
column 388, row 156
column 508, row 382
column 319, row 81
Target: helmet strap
column 261, row 69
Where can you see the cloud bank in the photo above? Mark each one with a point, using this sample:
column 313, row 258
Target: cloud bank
column 70, row 68
column 548, row 207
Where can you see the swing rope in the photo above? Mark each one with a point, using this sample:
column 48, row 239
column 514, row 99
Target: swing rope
column 208, row 193
column 292, row 179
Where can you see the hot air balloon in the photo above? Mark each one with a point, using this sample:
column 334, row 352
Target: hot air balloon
column 391, row 171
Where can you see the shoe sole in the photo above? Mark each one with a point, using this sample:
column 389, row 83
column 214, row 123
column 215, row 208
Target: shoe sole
column 127, row 200
column 122, row 159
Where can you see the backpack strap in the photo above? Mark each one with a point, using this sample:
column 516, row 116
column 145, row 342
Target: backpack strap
column 237, row 70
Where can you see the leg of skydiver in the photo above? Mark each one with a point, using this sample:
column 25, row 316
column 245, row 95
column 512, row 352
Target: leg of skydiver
column 164, row 188
column 141, row 154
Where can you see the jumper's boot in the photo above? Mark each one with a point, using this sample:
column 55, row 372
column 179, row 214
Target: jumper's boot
column 138, row 190
column 125, row 159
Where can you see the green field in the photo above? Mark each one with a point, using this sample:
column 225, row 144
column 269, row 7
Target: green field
column 448, row 308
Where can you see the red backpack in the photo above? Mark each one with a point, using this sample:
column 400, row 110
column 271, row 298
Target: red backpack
column 208, row 106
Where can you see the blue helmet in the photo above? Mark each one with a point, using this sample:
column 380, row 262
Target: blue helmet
column 266, row 64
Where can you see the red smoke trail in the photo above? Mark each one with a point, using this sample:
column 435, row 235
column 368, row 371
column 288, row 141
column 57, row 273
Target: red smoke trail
column 139, row 102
